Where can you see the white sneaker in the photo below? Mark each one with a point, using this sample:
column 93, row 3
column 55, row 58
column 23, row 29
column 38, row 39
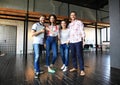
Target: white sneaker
column 63, row 67
column 36, row 75
column 51, row 65
column 50, row 70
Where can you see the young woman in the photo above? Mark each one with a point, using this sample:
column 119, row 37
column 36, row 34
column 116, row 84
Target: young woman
column 51, row 41
column 38, row 30
column 77, row 36
column 64, row 47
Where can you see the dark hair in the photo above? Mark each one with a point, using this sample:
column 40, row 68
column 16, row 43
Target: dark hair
column 74, row 12
column 54, row 18
column 66, row 21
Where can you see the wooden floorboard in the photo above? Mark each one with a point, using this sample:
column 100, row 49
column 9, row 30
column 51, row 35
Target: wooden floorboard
column 16, row 70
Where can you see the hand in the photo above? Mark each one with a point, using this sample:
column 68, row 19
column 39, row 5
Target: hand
column 42, row 31
column 45, row 46
column 67, row 42
column 49, row 30
column 59, row 42
column 52, row 32
column 46, row 25
column 83, row 44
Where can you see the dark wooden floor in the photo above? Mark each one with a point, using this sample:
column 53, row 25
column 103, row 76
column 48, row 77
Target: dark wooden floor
column 15, row 70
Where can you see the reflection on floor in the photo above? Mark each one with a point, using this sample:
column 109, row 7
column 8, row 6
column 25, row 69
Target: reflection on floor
column 15, row 70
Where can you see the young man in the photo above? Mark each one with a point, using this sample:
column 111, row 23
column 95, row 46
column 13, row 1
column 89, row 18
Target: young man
column 77, row 35
column 38, row 30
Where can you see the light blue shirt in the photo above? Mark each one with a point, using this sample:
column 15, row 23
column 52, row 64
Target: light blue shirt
column 39, row 38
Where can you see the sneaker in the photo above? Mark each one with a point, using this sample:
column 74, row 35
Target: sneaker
column 2, row 54
column 63, row 67
column 82, row 73
column 51, row 65
column 41, row 72
column 73, row 69
column 51, row 71
column 36, row 75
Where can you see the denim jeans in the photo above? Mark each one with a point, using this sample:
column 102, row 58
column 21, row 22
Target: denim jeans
column 77, row 51
column 51, row 43
column 64, row 50
column 37, row 53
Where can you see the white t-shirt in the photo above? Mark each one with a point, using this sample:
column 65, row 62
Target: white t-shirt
column 39, row 38
column 64, row 36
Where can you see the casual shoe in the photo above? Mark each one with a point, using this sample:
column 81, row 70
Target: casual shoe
column 36, row 75
column 2, row 54
column 73, row 69
column 82, row 73
column 51, row 71
column 41, row 72
column 51, row 65
column 63, row 67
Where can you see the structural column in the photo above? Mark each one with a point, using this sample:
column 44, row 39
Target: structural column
column 96, row 39
column 25, row 39
column 114, row 8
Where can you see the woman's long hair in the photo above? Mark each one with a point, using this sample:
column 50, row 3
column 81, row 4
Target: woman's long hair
column 54, row 18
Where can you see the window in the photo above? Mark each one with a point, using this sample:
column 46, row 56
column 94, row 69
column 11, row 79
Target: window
column 106, row 34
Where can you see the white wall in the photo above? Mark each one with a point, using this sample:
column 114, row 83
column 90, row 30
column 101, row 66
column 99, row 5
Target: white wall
column 30, row 38
column 115, row 33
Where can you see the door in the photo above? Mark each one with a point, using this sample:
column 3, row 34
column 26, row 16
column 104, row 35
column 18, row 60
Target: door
column 8, row 35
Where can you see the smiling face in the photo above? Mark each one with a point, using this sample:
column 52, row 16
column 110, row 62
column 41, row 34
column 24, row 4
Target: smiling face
column 42, row 19
column 72, row 15
column 52, row 19
column 63, row 24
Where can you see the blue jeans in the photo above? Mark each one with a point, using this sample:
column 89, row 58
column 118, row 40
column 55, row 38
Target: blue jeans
column 77, row 51
column 37, row 53
column 64, row 49
column 51, row 43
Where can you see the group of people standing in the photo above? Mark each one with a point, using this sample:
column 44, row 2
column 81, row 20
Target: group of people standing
column 71, row 37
